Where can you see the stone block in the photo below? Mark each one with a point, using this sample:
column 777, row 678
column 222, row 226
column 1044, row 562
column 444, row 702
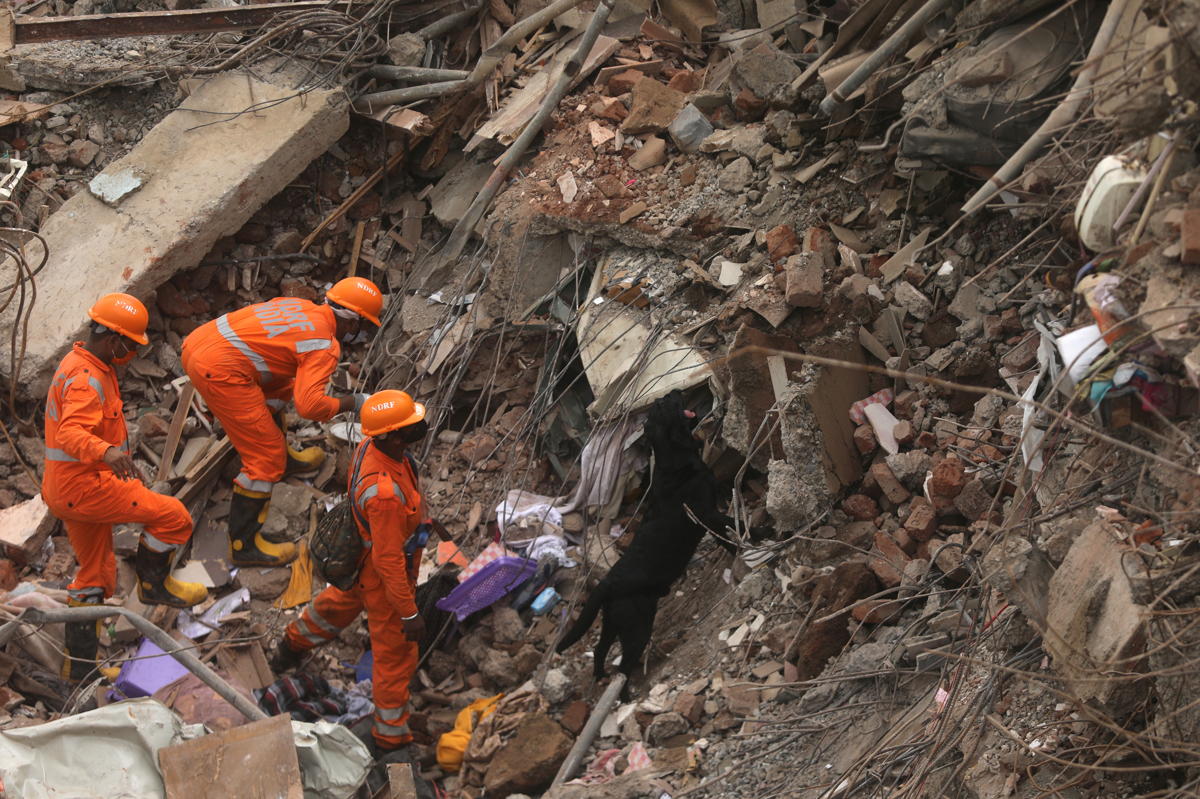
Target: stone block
column 1095, row 628
column 24, row 529
column 190, row 184
column 689, row 128
column 528, row 761
column 805, row 287
column 654, row 107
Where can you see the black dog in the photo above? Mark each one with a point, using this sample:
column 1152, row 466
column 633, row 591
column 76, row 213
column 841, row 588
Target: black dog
column 664, row 543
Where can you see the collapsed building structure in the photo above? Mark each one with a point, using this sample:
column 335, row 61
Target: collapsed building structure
column 927, row 269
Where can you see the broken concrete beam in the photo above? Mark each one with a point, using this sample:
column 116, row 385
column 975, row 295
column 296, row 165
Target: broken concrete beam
column 24, row 529
column 197, row 176
column 817, row 434
column 1095, row 627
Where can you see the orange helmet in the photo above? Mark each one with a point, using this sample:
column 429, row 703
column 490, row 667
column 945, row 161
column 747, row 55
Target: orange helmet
column 388, row 410
column 359, row 295
column 122, row 313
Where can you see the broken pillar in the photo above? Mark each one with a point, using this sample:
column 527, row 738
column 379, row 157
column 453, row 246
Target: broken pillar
column 197, row 176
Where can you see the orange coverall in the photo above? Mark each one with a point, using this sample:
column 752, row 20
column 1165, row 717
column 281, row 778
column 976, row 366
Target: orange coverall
column 386, row 496
column 84, row 418
column 250, row 362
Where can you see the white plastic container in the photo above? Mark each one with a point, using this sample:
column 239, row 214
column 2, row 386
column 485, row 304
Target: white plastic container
column 1108, row 190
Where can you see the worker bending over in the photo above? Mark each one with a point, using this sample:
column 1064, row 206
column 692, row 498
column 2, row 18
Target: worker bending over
column 247, row 365
column 91, row 482
column 388, row 510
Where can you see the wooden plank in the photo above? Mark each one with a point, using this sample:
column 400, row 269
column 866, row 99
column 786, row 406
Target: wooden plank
column 356, row 248
column 175, row 431
column 31, row 30
column 207, row 468
column 256, row 759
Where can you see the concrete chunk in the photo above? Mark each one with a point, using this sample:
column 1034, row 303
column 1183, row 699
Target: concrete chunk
column 1095, row 629
column 207, row 167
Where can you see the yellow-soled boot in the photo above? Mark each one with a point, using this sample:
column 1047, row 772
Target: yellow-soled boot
column 308, row 459
column 156, row 586
column 247, row 547
column 82, row 639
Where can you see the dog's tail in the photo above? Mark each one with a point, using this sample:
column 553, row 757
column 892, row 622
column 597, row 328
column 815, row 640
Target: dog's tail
column 587, row 616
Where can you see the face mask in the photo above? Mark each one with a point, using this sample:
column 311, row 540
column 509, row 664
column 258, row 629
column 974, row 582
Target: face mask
column 130, row 354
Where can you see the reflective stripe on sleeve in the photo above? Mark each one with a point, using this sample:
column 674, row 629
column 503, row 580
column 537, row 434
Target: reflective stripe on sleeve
column 313, row 344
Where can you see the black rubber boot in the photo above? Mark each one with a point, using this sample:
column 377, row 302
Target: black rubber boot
column 247, row 547
column 82, row 639
column 156, row 586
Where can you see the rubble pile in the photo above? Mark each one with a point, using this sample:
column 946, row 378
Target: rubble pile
column 953, row 416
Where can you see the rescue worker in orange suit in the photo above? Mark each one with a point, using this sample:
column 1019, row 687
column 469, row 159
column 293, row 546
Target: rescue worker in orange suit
column 247, row 365
column 91, row 482
column 390, row 515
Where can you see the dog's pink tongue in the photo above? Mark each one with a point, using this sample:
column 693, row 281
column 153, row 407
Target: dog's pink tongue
column 689, row 414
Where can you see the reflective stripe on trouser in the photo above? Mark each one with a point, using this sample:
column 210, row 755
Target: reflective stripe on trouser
column 90, row 504
column 395, row 659
column 324, row 618
column 241, row 406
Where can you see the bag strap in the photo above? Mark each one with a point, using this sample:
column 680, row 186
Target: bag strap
column 353, row 486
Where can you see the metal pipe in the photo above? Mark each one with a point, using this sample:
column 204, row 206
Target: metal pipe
column 415, row 73
column 164, row 642
column 882, row 53
column 576, row 755
column 372, row 102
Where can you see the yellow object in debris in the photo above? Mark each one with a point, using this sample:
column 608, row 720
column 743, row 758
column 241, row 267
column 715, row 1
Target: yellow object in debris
column 299, row 589
column 453, row 745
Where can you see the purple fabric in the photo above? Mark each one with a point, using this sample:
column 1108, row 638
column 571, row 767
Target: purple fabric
column 487, row 586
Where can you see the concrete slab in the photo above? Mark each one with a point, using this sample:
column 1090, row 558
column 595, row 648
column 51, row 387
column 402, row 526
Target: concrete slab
column 24, row 529
column 205, row 169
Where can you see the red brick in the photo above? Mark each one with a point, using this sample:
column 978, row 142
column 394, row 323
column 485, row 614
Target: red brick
column 877, row 611
column 1022, row 356
column 903, row 432
column 1189, row 236
column 888, row 484
column 1010, row 318
column 781, row 242
column 575, row 715
column 922, row 521
column 973, row 501
column 9, row 575
column 949, row 476
column 927, row 440
column 818, row 239
column 864, row 439
column 686, row 81
column 690, row 706
column 993, row 327
column 804, row 280
column 905, row 403
column 905, row 541
column 609, row 108
column 623, row 82
column 888, row 560
column 748, row 107
column 294, row 287
column 860, row 507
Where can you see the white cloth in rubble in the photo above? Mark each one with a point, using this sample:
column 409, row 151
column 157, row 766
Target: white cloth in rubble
column 605, row 458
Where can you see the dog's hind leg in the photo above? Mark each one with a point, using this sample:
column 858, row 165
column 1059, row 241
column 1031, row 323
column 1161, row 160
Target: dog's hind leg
column 635, row 633
column 608, row 634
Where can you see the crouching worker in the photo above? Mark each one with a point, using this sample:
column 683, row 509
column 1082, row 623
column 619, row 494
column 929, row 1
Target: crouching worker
column 247, row 365
column 91, row 482
column 390, row 516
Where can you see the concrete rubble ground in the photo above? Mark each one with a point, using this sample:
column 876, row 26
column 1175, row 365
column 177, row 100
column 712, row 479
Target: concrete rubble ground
column 956, row 377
